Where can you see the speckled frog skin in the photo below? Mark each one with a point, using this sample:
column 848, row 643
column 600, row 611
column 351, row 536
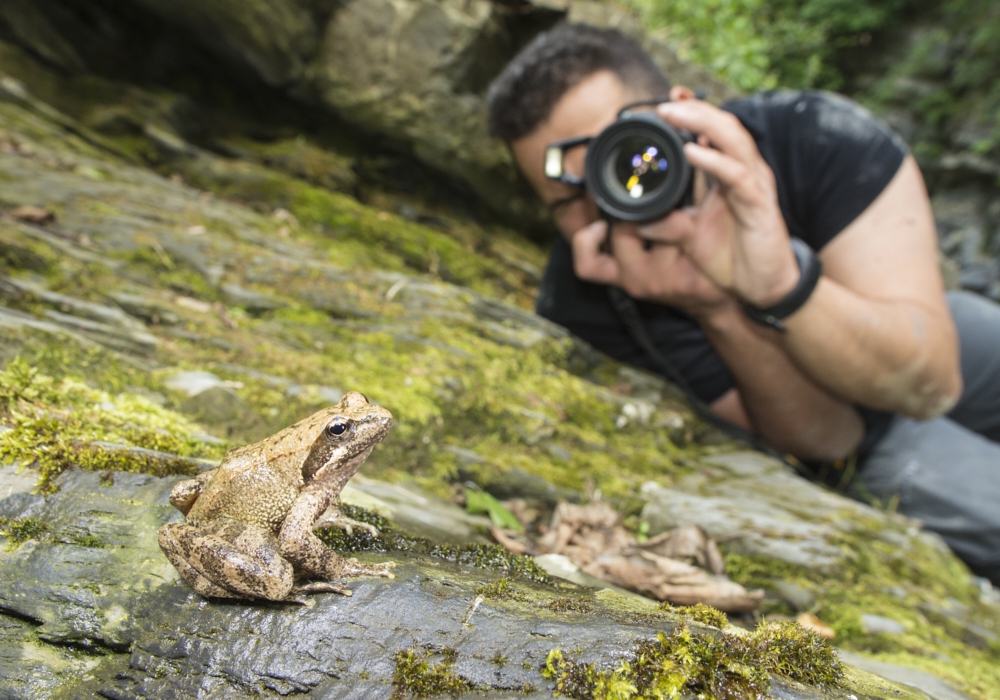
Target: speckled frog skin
column 249, row 530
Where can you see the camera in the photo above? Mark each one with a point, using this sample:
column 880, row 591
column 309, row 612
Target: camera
column 635, row 169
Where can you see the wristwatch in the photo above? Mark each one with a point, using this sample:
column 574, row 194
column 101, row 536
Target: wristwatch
column 810, row 268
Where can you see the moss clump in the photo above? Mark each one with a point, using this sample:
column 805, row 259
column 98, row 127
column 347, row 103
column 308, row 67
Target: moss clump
column 417, row 675
column 20, row 530
column 714, row 667
column 702, row 613
column 54, row 423
column 500, row 589
column 494, row 557
column 570, row 605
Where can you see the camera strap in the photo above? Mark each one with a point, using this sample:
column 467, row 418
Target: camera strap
column 628, row 312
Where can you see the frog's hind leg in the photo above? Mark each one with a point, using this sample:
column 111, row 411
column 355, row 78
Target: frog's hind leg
column 200, row 584
column 240, row 558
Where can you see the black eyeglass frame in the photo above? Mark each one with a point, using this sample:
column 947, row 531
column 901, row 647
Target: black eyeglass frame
column 555, row 153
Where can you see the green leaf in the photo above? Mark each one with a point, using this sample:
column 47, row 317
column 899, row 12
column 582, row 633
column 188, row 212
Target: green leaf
column 477, row 502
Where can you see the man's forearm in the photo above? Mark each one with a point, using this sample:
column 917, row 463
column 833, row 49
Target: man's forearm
column 893, row 355
column 785, row 407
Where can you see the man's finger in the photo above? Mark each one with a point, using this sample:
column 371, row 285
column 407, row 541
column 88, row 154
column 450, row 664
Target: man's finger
column 724, row 130
column 737, row 176
column 589, row 262
column 674, row 228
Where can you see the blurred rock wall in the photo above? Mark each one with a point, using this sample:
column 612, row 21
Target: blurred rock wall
column 411, row 74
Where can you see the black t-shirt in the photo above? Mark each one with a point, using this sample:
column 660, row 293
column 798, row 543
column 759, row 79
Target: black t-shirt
column 831, row 159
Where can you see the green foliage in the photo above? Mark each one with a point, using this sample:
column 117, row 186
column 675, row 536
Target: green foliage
column 714, row 667
column 757, row 44
column 477, row 502
column 950, row 78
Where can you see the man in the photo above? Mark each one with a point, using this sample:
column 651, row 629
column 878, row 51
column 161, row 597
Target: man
column 867, row 361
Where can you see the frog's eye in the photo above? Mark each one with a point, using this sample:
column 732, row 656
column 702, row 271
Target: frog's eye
column 338, row 429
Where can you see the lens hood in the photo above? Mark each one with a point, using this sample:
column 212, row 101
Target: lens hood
column 636, row 169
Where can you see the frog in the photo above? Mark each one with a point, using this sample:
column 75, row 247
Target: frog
column 250, row 522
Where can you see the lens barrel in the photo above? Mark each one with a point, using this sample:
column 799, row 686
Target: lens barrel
column 636, row 169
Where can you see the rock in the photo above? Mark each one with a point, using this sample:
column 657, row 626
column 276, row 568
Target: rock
column 875, row 624
column 423, row 351
column 424, row 515
column 934, row 687
column 208, row 397
column 748, row 509
column 411, row 73
column 509, row 482
column 145, row 308
column 157, row 638
column 192, row 383
column 252, row 301
column 800, row 598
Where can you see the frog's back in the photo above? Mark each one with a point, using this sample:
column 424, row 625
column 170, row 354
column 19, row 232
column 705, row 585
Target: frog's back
column 253, row 485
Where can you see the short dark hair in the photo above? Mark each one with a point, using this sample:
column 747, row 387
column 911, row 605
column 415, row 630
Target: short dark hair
column 522, row 97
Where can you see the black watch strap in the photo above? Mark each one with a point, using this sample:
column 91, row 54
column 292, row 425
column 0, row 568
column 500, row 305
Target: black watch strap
column 810, row 268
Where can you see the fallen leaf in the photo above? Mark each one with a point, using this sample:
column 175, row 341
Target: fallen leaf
column 34, row 215
column 477, row 502
column 811, row 622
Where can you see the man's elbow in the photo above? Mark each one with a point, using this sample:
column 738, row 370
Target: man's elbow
column 936, row 395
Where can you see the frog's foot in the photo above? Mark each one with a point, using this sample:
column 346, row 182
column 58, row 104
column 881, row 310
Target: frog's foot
column 344, row 523
column 321, row 587
column 352, row 567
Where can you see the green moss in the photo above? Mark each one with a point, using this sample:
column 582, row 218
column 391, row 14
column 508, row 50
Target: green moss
column 705, row 614
column 500, row 589
column 712, row 666
column 20, row 530
column 53, row 425
column 581, row 605
column 493, row 557
column 417, row 675
column 878, row 577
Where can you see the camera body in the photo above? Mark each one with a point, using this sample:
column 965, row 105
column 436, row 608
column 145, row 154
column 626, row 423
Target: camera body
column 635, row 169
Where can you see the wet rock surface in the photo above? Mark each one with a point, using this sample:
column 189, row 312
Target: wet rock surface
column 137, row 630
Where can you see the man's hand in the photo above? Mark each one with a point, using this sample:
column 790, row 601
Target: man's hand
column 662, row 273
column 736, row 235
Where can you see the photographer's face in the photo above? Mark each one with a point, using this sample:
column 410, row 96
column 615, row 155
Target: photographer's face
column 585, row 110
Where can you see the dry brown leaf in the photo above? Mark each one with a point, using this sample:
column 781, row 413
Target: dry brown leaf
column 682, row 566
column 811, row 622
column 34, row 215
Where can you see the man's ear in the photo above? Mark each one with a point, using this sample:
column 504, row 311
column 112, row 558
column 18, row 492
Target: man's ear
column 679, row 93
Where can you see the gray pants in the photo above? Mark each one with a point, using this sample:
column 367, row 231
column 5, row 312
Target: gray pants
column 946, row 472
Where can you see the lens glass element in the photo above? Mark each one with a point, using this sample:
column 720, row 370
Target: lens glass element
column 640, row 166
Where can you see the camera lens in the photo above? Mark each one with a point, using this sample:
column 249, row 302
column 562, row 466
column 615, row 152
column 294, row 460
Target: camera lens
column 636, row 169
column 640, row 167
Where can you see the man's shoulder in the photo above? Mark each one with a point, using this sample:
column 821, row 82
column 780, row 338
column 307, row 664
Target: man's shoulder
column 824, row 117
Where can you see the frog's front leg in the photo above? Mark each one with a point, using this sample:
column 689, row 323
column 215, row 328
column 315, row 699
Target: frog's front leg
column 299, row 545
column 228, row 560
column 185, row 493
column 334, row 517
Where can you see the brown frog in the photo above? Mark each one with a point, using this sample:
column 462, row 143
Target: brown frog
column 249, row 530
